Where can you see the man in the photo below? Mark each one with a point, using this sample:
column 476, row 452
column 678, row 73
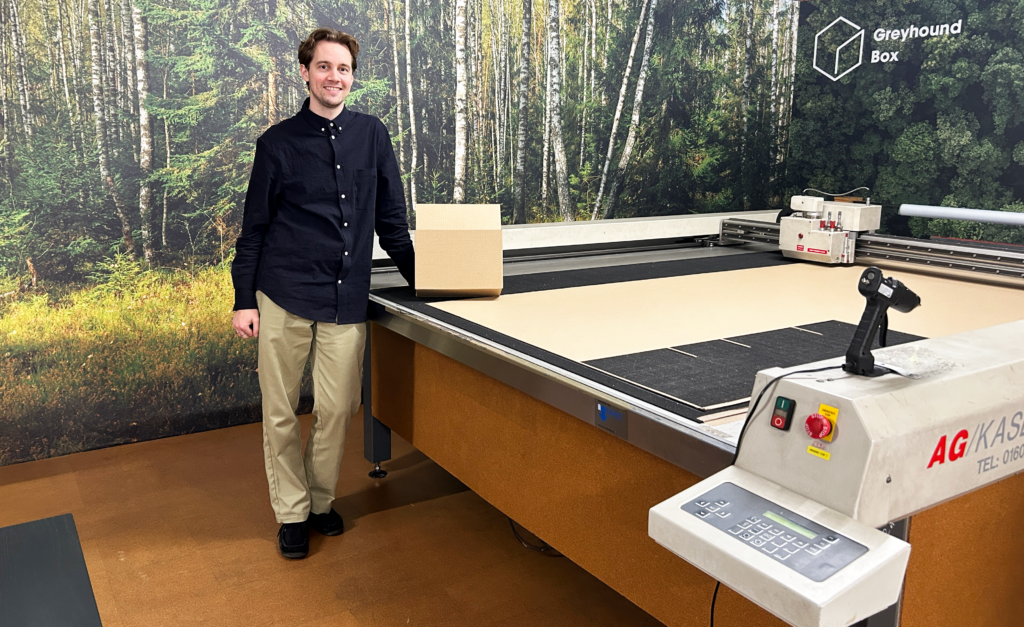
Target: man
column 321, row 182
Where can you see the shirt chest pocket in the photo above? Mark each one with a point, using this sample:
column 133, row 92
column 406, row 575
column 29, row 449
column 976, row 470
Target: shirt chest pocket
column 365, row 184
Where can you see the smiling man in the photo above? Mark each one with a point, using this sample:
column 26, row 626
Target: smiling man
column 322, row 182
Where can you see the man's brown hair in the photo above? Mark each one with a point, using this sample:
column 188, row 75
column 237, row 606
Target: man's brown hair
column 308, row 45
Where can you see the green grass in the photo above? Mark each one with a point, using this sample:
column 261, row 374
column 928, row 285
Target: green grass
column 139, row 355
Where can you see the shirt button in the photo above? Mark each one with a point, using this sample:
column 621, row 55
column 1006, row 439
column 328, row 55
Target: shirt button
column 322, row 130
column 338, row 167
column 346, row 253
column 346, row 224
column 343, row 196
column 332, row 136
column 339, row 282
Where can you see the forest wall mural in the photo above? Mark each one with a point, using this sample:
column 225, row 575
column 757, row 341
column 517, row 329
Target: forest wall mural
column 127, row 130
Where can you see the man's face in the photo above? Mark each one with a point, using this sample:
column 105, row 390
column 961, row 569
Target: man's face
column 330, row 78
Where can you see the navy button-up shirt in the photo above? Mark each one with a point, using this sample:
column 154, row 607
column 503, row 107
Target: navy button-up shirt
column 318, row 190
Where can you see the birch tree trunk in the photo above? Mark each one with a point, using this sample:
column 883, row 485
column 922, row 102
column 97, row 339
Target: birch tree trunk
column 412, row 112
column 748, row 62
column 390, row 19
column 101, row 126
column 272, row 110
column 547, row 131
column 131, row 94
column 519, row 183
column 112, row 92
column 167, row 145
column 618, row 113
column 145, row 132
column 565, row 204
column 62, row 58
column 634, row 120
column 459, row 193
column 775, row 55
column 5, row 150
column 44, row 11
column 21, row 74
column 794, row 27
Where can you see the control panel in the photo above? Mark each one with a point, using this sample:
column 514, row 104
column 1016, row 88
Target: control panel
column 797, row 542
column 808, row 565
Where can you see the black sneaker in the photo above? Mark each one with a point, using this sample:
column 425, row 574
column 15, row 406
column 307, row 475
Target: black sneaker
column 293, row 539
column 329, row 524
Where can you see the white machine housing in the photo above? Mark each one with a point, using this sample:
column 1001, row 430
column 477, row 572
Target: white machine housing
column 825, row 231
column 953, row 422
column 900, row 445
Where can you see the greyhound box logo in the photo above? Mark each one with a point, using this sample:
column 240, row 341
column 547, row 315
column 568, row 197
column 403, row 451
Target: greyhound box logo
column 839, row 48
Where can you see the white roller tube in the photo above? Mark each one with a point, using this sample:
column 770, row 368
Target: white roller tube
column 956, row 213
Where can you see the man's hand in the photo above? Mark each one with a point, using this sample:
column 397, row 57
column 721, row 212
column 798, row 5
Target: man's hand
column 247, row 323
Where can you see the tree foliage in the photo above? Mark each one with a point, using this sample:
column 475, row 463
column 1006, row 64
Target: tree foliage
column 943, row 125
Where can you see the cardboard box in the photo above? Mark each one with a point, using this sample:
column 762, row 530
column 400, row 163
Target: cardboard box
column 458, row 250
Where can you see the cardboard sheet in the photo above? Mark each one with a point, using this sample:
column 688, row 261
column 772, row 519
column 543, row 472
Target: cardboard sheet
column 599, row 321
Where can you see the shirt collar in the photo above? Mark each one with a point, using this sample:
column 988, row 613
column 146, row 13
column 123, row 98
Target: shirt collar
column 320, row 122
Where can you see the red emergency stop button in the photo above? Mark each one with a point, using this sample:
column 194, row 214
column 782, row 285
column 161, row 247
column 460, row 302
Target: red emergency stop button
column 817, row 426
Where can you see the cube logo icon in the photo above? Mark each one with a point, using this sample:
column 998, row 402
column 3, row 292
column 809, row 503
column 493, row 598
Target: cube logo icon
column 839, row 48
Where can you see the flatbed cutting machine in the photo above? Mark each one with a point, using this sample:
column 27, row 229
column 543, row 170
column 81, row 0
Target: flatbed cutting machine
column 830, row 456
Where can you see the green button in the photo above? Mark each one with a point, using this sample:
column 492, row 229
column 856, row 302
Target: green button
column 783, row 403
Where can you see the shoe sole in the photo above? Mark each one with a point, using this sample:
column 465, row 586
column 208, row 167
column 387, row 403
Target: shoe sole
column 331, row 533
column 294, row 555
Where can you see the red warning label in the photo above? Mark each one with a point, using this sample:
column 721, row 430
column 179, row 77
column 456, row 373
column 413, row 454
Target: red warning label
column 817, row 250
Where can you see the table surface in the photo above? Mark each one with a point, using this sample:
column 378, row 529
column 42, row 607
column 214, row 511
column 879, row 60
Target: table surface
column 640, row 318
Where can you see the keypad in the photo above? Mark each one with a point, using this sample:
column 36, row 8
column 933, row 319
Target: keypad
column 749, row 518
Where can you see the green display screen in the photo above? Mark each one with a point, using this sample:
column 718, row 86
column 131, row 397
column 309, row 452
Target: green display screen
column 790, row 525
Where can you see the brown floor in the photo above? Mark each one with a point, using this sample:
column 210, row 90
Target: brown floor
column 180, row 532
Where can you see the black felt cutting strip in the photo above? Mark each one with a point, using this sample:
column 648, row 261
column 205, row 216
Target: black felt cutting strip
column 544, row 281
column 405, row 296
column 721, row 372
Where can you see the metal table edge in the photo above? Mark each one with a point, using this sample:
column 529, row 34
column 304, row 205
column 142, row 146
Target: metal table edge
column 677, row 440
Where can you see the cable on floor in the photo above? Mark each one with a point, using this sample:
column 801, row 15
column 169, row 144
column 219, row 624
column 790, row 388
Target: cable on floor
column 545, row 548
column 714, row 598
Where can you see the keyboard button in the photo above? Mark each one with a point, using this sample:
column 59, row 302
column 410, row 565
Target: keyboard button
column 758, row 542
column 746, row 535
column 789, row 537
column 781, row 555
column 711, row 508
column 703, row 514
column 701, row 503
column 721, row 503
column 769, row 549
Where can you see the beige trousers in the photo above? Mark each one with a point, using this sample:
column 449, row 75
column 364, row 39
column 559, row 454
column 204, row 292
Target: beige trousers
column 303, row 483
